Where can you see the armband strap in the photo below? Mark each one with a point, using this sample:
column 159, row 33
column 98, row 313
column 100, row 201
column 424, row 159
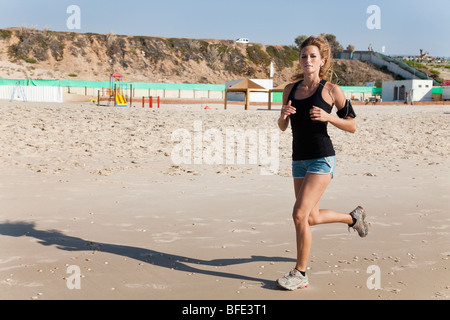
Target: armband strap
column 347, row 111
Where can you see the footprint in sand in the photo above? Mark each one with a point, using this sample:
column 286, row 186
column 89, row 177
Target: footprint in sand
column 168, row 237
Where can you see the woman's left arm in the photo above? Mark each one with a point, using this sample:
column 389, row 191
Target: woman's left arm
column 347, row 124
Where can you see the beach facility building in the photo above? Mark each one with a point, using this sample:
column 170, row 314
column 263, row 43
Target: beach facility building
column 248, row 90
column 262, row 96
column 408, row 90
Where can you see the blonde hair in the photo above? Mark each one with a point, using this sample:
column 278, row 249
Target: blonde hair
column 325, row 52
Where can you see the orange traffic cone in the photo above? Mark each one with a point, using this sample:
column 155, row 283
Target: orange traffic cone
column 207, row 108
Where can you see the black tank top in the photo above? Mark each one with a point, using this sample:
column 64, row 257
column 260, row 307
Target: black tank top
column 310, row 138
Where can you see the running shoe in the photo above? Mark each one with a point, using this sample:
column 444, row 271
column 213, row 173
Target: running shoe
column 361, row 225
column 293, row 281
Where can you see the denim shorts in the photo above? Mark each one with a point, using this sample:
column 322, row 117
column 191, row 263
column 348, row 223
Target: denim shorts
column 316, row 166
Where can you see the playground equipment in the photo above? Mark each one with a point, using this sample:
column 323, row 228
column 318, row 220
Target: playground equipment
column 117, row 90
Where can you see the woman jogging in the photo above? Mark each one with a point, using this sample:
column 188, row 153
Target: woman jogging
column 307, row 106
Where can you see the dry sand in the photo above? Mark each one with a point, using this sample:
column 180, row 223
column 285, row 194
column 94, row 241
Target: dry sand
column 96, row 188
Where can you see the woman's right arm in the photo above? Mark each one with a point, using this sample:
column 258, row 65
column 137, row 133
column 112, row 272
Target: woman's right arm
column 286, row 110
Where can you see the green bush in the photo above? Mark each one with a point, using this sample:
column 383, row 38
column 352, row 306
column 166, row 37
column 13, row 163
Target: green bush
column 5, row 34
column 435, row 72
column 415, row 64
column 284, row 57
column 257, row 55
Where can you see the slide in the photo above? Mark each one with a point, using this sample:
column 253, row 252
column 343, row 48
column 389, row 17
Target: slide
column 121, row 101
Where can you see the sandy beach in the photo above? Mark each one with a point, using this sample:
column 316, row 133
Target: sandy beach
column 97, row 189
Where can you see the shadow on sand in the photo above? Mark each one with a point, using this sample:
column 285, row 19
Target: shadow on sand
column 160, row 259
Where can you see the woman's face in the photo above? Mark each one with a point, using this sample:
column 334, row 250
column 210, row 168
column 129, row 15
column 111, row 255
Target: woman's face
column 310, row 60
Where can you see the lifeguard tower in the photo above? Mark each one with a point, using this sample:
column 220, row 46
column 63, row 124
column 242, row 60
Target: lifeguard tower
column 117, row 90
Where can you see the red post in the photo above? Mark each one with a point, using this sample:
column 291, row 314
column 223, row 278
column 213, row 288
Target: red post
column 143, row 102
column 159, row 102
column 151, row 102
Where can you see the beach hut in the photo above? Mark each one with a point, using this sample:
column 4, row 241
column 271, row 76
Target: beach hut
column 280, row 88
column 246, row 86
column 408, row 90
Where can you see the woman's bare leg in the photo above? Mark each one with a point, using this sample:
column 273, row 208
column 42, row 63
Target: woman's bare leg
column 306, row 213
column 323, row 216
column 309, row 193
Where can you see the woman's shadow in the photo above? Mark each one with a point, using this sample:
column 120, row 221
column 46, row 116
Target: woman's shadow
column 160, row 259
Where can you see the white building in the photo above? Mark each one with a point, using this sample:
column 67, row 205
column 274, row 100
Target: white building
column 242, row 40
column 411, row 90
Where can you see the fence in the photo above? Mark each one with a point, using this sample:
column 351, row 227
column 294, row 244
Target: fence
column 35, row 94
column 163, row 90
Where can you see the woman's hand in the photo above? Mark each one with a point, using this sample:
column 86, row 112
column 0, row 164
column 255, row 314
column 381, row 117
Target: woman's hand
column 318, row 114
column 287, row 110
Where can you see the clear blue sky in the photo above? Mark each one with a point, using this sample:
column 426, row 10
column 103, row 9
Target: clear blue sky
column 406, row 25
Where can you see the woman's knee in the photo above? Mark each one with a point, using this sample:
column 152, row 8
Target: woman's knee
column 299, row 216
column 302, row 217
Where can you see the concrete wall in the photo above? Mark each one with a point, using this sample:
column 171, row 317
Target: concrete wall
column 368, row 56
column 446, row 93
column 359, row 96
column 359, row 55
column 163, row 93
column 392, row 67
column 201, row 94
